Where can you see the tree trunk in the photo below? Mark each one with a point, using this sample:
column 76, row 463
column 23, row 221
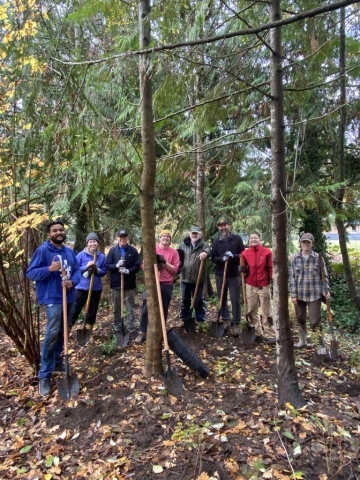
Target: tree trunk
column 288, row 388
column 153, row 363
column 199, row 184
column 341, row 171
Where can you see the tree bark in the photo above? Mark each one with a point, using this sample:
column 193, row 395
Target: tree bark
column 288, row 388
column 340, row 169
column 153, row 363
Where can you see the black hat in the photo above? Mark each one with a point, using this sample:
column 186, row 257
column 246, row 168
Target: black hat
column 92, row 236
column 122, row 232
column 223, row 220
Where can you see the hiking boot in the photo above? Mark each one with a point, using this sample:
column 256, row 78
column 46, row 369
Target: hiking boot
column 44, row 386
column 302, row 343
column 236, row 330
column 258, row 338
column 226, row 325
column 133, row 335
column 270, row 341
column 140, row 338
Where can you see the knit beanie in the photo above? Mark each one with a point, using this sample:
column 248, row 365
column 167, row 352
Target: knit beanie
column 92, row 236
column 165, row 232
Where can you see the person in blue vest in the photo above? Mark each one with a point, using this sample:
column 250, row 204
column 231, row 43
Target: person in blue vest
column 124, row 258
column 46, row 269
column 88, row 268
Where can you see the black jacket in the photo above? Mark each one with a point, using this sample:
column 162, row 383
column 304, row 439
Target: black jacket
column 132, row 258
column 233, row 244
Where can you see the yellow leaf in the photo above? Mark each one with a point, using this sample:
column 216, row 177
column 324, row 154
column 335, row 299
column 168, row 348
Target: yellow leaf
column 48, row 476
column 203, row 476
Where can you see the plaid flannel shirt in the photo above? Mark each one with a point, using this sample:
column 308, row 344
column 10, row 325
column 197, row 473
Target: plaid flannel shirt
column 305, row 278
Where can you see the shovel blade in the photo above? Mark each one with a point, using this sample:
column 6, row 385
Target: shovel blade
column 248, row 334
column 217, row 329
column 68, row 387
column 122, row 337
column 83, row 336
column 173, row 382
column 333, row 352
column 190, row 325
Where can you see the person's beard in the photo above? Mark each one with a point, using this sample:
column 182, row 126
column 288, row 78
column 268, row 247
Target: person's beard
column 55, row 240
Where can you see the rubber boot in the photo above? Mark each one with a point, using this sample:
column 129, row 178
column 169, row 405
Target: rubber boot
column 302, row 337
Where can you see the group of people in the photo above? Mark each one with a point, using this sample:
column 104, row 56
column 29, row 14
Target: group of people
column 231, row 261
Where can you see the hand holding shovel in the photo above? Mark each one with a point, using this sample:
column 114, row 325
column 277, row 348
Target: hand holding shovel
column 189, row 323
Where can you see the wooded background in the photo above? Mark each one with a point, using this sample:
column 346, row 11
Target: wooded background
column 260, row 124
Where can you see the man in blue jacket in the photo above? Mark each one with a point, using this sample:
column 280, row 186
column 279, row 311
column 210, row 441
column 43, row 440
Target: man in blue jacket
column 123, row 258
column 46, row 269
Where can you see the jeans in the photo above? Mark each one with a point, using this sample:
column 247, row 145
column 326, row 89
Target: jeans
column 187, row 292
column 232, row 284
column 129, row 302
column 54, row 338
column 166, row 294
column 80, row 301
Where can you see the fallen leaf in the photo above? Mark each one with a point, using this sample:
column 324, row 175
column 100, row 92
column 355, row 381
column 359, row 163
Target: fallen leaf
column 157, row 469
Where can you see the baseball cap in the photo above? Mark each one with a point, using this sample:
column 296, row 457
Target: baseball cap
column 223, row 220
column 307, row 237
column 195, row 229
column 122, row 232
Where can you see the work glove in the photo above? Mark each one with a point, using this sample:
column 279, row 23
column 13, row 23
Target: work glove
column 229, row 254
column 225, row 258
column 121, row 263
column 160, row 259
column 124, row 270
column 242, row 268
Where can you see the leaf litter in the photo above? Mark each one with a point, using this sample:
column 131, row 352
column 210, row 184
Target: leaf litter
column 228, row 426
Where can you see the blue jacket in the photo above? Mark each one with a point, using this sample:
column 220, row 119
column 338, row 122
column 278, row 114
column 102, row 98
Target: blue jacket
column 48, row 284
column 83, row 258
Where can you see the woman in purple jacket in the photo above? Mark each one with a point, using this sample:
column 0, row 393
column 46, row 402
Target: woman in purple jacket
column 88, row 268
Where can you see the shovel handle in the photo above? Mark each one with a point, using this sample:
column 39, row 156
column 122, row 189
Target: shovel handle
column 197, row 283
column 223, row 284
column 162, row 316
column 87, row 305
column 244, row 290
column 122, row 296
column 65, row 316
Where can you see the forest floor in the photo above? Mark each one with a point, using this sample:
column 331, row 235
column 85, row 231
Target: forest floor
column 228, row 426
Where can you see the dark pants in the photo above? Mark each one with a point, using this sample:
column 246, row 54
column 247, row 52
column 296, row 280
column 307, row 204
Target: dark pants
column 187, row 292
column 232, row 284
column 80, row 301
column 314, row 309
column 166, row 294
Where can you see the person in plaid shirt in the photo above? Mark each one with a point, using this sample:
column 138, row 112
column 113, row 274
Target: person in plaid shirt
column 307, row 287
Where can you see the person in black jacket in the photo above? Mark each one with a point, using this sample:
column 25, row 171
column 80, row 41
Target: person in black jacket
column 228, row 247
column 123, row 258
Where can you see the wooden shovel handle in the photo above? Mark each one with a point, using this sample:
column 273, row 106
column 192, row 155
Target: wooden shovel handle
column 223, row 283
column 163, row 325
column 87, row 305
column 65, row 316
column 244, row 290
column 197, row 283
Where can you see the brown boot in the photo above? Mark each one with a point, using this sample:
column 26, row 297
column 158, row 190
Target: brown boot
column 302, row 343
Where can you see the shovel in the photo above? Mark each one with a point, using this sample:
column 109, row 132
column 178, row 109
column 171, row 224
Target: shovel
column 170, row 377
column 122, row 337
column 217, row 327
column 190, row 323
column 247, row 331
column 82, row 334
column 334, row 344
column 68, row 386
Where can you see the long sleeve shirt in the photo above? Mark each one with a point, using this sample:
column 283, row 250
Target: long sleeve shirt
column 305, row 278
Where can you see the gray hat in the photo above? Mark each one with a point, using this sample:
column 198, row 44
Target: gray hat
column 92, row 236
column 122, row 232
column 195, row 229
column 307, row 237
